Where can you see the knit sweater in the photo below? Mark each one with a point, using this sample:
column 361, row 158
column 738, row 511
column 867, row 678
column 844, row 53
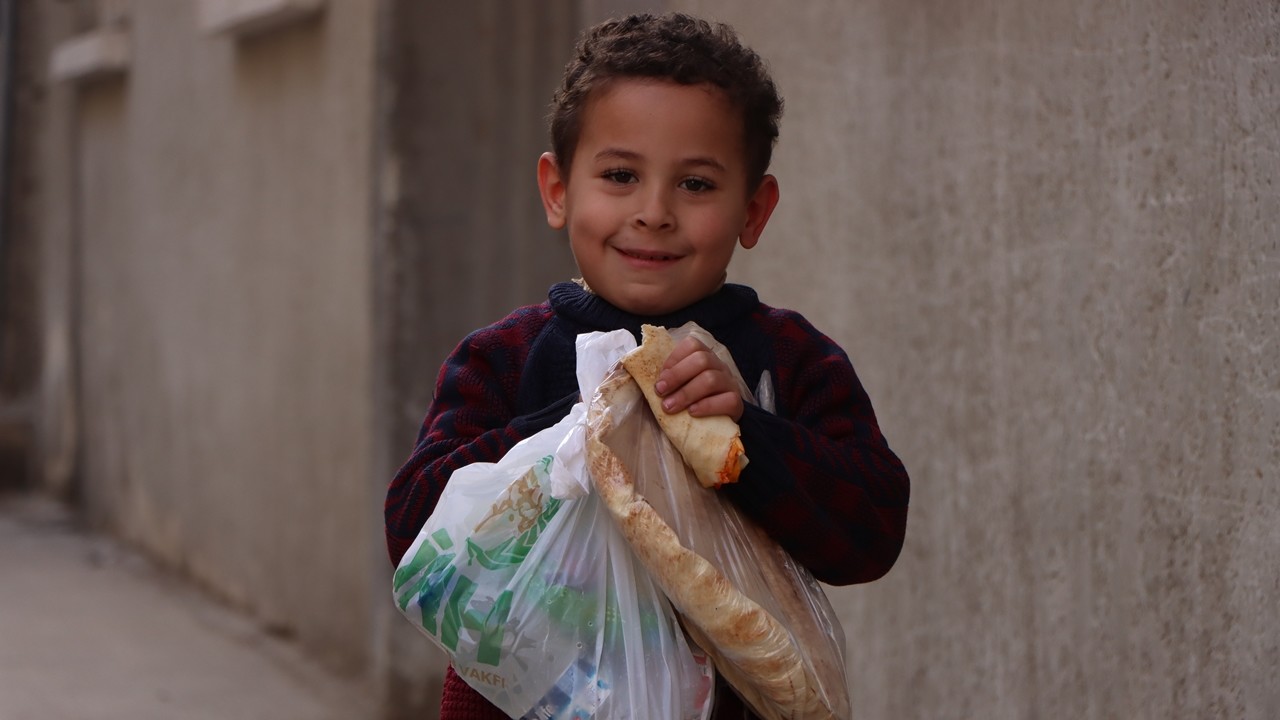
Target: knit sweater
column 822, row 480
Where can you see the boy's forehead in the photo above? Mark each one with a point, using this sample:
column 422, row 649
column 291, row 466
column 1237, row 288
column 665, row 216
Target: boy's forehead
column 611, row 87
column 640, row 105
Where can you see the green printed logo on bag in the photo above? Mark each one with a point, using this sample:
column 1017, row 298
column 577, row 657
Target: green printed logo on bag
column 502, row 540
column 524, row 508
column 540, row 603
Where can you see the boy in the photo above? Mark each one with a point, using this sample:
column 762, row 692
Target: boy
column 662, row 132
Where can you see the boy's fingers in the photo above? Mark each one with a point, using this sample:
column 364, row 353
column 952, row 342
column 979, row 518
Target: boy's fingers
column 679, row 370
column 694, row 379
column 682, row 350
column 727, row 403
column 710, row 392
column 701, row 386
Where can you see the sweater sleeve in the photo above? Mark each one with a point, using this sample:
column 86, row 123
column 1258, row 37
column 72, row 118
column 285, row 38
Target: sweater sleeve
column 470, row 420
column 821, row 478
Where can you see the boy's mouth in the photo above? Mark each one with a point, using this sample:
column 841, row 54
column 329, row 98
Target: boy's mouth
column 649, row 255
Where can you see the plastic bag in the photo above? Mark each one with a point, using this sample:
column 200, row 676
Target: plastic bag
column 793, row 667
column 538, row 600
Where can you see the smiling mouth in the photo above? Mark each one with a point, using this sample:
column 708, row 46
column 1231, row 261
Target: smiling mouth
column 649, row 255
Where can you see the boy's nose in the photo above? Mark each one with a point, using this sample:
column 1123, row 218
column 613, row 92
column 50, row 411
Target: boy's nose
column 655, row 213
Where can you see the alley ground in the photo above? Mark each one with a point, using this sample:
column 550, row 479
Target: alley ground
column 91, row 631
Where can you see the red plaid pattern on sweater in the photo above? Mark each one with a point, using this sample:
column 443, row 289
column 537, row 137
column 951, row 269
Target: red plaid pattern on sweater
column 822, row 480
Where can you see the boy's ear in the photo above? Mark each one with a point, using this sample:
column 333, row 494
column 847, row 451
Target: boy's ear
column 759, row 207
column 551, row 185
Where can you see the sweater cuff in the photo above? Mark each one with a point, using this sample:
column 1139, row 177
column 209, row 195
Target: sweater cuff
column 754, row 422
column 765, row 472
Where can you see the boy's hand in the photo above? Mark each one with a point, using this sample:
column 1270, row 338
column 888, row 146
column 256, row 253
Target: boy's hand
column 693, row 377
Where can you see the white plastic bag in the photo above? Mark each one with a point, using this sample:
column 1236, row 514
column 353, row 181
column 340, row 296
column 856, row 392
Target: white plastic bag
column 538, row 600
column 762, row 617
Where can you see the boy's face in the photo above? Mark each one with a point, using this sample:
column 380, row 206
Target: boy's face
column 656, row 198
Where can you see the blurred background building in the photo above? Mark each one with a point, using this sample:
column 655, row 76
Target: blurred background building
column 239, row 237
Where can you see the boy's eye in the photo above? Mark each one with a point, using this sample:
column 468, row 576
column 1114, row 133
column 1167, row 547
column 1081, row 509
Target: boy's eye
column 696, row 185
column 621, row 177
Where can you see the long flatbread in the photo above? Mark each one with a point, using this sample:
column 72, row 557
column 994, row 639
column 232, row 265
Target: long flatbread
column 712, row 446
column 751, row 647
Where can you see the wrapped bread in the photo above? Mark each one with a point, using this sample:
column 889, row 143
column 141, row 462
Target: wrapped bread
column 711, row 445
column 763, row 619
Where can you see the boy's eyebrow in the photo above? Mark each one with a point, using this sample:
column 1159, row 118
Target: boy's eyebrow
column 629, row 156
column 704, row 162
column 617, row 154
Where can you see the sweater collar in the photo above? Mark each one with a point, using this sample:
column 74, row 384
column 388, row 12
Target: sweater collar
column 592, row 312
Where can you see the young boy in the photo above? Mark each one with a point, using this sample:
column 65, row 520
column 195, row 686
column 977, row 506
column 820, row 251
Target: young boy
column 662, row 132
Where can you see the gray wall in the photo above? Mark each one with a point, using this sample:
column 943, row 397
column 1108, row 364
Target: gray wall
column 461, row 235
column 24, row 102
column 225, row 337
column 1047, row 235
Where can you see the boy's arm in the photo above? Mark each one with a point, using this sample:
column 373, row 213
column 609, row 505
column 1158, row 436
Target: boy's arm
column 470, row 420
column 823, row 481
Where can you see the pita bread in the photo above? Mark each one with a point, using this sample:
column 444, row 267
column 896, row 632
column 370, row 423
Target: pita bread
column 712, row 446
column 784, row 671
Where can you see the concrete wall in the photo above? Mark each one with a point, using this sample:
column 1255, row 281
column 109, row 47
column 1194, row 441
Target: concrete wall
column 462, row 237
column 24, row 233
column 40, row 307
column 1047, row 235
column 225, row 336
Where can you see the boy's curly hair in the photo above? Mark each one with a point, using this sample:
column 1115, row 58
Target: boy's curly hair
column 678, row 48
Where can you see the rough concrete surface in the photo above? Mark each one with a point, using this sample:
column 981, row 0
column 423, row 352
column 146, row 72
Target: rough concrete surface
column 91, row 631
column 462, row 236
column 1047, row 234
column 224, row 328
